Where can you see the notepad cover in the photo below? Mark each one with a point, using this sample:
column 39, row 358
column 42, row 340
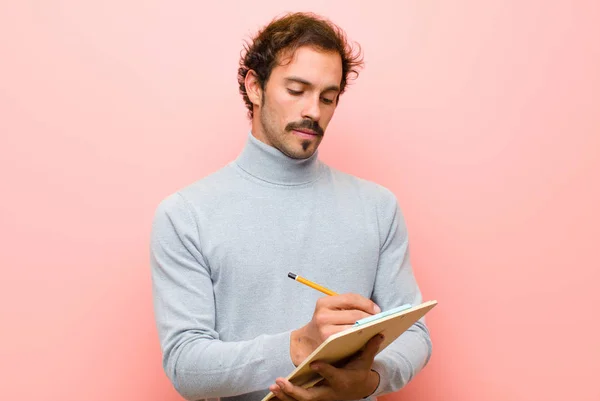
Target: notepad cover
column 339, row 347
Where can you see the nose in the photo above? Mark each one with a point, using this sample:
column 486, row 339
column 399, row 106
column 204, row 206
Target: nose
column 312, row 109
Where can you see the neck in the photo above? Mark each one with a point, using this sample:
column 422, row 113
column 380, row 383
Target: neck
column 269, row 164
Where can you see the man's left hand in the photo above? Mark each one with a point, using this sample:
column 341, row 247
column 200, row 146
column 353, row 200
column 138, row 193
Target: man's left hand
column 354, row 381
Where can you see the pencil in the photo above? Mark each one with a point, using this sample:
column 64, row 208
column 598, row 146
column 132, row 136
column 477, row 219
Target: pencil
column 311, row 284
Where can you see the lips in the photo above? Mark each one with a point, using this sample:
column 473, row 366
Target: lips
column 305, row 132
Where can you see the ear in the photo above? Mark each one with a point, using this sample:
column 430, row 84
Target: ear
column 253, row 88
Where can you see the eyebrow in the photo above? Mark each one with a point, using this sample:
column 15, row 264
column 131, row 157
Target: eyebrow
column 305, row 82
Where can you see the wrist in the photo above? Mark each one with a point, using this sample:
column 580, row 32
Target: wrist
column 373, row 380
column 301, row 346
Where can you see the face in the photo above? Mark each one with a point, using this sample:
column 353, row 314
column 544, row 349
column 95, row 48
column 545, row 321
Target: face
column 299, row 99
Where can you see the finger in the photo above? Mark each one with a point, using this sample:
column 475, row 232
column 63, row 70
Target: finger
column 344, row 316
column 300, row 394
column 363, row 359
column 350, row 301
column 370, row 350
column 327, row 371
column 279, row 393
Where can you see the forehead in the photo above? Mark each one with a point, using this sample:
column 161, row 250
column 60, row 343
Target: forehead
column 321, row 68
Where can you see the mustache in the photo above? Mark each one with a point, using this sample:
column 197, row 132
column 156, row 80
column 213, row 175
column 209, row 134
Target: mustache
column 306, row 124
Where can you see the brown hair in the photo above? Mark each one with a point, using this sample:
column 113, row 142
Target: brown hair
column 289, row 33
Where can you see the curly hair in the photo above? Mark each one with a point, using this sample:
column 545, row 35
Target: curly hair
column 288, row 33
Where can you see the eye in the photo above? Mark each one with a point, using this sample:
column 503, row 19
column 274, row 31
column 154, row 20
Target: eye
column 327, row 101
column 294, row 93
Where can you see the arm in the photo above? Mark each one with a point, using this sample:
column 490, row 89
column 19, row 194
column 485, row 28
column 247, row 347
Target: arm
column 199, row 364
column 396, row 285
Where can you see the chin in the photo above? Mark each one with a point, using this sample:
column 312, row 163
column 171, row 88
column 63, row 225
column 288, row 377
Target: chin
column 297, row 152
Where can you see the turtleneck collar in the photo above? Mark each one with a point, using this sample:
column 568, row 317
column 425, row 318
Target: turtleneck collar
column 269, row 164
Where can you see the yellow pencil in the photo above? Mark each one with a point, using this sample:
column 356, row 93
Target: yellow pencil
column 311, row 284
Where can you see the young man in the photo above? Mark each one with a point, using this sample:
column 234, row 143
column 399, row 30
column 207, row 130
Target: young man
column 231, row 323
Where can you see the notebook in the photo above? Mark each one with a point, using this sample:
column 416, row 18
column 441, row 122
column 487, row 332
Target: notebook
column 340, row 347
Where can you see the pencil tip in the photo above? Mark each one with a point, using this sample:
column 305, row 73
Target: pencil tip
column 292, row 276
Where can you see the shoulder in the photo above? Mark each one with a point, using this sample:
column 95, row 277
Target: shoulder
column 374, row 198
column 369, row 191
column 205, row 193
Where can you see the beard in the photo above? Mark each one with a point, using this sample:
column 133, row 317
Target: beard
column 284, row 139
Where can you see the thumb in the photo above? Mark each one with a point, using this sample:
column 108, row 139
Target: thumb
column 371, row 348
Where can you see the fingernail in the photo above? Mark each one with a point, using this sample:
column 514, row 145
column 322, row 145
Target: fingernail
column 377, row 309
column 314, row 366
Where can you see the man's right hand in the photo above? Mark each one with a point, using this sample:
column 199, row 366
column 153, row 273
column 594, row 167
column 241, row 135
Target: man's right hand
column 332, row 314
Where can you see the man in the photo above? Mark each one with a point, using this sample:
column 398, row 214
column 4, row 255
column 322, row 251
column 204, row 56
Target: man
column 230, row 322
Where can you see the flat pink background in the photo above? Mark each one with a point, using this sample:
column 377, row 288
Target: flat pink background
column 482, row 117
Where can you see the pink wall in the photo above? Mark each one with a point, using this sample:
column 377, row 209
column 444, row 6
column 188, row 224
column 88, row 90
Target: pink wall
column 483, row 118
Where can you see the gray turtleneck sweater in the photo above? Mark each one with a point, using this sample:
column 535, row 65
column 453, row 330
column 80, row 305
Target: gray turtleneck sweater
column 221, row 250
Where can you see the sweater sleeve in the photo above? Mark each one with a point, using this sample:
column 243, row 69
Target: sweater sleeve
column 196, row 361
column 395, row 285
